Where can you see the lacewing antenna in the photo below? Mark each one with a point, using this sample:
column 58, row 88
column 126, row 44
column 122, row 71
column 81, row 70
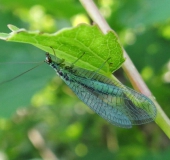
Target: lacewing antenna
column 9, row 80
column 19, row 62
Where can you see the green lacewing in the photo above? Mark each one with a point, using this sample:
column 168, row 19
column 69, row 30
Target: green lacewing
column 116, row 103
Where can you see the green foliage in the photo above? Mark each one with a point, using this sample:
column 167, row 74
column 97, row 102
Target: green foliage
column 69, row 129
column 152, row 12
column 70, row 44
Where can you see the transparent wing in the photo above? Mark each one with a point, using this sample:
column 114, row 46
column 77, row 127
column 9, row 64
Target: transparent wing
column 99, row 103
column 136, row 113
column 141, row 103
column 123, row 107
column 143, row 108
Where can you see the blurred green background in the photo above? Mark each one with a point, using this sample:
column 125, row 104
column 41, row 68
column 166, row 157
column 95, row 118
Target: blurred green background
column 40, row 117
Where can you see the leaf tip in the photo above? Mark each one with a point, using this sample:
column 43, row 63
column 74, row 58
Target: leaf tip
column 13, row 28
column 4, row 36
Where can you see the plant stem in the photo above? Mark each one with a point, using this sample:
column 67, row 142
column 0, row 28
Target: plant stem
column 161, row 119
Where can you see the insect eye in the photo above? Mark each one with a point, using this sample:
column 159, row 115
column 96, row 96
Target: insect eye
column 48, row 58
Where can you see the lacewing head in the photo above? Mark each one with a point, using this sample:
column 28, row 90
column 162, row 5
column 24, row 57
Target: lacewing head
column 48, row 59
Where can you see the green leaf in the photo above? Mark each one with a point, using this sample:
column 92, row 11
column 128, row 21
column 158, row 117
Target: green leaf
column 70, row 44
column 156, row 12
column 13, row 28
column 4, row 36
column 56, row 8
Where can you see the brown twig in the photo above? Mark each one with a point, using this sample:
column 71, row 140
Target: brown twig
column 129, row 68
column 38, row 142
